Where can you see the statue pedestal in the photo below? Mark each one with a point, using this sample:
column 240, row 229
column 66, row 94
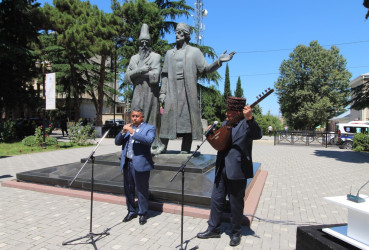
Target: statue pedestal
column 199, row 177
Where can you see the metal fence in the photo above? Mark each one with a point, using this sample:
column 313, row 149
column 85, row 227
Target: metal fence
column 305, row 138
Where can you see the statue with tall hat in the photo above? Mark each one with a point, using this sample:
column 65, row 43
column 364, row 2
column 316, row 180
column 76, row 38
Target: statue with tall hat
column 143, row 73
column 178, row 93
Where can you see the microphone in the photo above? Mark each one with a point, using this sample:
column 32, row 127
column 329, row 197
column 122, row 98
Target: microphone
column 356, row 198
column 210, row 130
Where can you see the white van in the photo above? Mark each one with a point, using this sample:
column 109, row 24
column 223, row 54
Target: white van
column 346, row 132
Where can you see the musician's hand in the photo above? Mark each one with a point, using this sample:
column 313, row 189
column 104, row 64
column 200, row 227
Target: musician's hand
column 128, row 128
column 247, row 112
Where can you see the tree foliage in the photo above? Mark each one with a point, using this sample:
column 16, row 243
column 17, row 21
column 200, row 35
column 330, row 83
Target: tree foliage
column 265, row 121
column 170, row 10
column 86, row 35
column 227, row 84
column 211, row 104
column 239, row 91
column 312, row 86
column 18, row 30
column 81, row 41
column 68, row 20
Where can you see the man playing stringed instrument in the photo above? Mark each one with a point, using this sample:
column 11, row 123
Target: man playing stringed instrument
column 233, row 168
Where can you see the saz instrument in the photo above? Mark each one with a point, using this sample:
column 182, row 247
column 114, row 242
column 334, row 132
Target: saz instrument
column 221, row 139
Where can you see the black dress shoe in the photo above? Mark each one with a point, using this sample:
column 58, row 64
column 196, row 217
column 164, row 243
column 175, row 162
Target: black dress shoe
column 143, row 219
column 208, row 234
column 129, row 217
column 235, row 240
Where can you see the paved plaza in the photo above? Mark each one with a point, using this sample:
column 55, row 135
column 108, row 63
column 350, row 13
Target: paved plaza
column 298, row 178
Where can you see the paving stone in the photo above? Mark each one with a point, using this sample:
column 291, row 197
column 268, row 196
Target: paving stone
column 299, row 177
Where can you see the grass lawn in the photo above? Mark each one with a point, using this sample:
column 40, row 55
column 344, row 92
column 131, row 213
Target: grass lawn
column 18, row 148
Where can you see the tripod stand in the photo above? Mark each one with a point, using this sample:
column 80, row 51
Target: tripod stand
column 181, row 169
column 90, row 236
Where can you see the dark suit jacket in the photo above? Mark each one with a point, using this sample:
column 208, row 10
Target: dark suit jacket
column 143, row 138
column 237, row 158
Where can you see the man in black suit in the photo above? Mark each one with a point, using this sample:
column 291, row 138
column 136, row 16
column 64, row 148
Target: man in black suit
column 233, row 168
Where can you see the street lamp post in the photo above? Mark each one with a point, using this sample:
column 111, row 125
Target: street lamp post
column 42, row 65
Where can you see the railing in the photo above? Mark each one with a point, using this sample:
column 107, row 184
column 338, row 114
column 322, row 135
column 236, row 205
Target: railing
column 305, row 138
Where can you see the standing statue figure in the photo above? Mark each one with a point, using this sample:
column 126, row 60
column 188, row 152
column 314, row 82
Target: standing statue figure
column 143, row 73
column 178, row 92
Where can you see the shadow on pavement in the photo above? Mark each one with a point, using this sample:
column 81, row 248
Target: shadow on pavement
column 345, row 156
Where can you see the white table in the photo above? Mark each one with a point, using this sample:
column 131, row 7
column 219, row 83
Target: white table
column 356, row 232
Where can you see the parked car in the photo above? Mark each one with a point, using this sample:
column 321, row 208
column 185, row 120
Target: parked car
column 27, row 126
column 110, row 122
column 114, row 130
column 346, row 132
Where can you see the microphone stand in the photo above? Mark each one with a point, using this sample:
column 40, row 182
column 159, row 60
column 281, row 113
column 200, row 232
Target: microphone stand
column 90, row 235
column 181, row 169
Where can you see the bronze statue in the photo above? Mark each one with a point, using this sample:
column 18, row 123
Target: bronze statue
column 178, row 93
column 143, row 73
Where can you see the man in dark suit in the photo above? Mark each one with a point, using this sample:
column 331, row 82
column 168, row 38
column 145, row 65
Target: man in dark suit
column 136, row 162
column 233, row 168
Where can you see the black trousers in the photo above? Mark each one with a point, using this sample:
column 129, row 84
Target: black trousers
column 235, row 189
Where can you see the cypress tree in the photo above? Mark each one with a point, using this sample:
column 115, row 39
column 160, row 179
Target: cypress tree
column 227, row 85
column 239, row 91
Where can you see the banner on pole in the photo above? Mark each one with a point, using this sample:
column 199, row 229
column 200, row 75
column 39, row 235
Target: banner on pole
column 50, row 91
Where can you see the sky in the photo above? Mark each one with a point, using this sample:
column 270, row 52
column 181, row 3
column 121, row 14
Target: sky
column 264, row 32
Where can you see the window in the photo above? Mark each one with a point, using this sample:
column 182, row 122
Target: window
column 119, row 110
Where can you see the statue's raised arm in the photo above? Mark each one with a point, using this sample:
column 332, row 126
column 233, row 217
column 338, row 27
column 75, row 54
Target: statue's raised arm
column 226, row 57
column 179, row 76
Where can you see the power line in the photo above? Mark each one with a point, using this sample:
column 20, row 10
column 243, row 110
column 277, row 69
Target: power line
column 277, row 50
column 264, row 74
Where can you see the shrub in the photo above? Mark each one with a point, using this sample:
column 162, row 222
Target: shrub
column 51, row 140
column 360, row 142
column 81, row 134
column 7, row 131
column 37, row 139
column 30, row 141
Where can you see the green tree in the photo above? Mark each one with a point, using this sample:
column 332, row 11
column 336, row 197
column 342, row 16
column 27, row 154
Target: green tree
column 239, row 91
column 47, row 49
column 103, row 29
column 211, row 104
column 312, row 86
column 170, row 10
column 227, row 92
column 18, row 30
column 227, row 84
column 257, row 110
column 86, row 35
column 68, row 20
column 265, row 121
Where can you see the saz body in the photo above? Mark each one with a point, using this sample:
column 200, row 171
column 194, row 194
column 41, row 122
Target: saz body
column 221, row 139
